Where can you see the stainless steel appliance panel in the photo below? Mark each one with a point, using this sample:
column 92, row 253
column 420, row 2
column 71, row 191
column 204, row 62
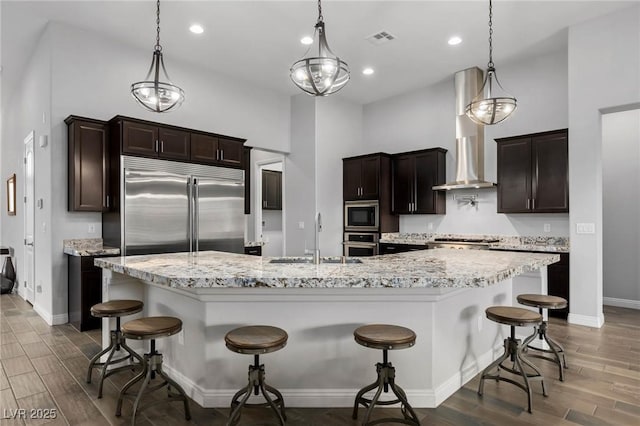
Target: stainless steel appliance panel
column 157, row 212
column 219, row 215
column 362, row 215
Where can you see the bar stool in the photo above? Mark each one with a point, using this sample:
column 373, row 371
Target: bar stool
column 513, row 317
column 541, row 302
column 152, row 328
column 114, row 309
column 255, row 340
column 385, row 337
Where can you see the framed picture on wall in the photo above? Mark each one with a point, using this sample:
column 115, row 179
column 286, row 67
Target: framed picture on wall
column 11, row 195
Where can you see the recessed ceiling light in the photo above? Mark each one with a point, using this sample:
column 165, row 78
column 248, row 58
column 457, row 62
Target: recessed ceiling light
column 368, row 71
column 306, row 40
column 196, row 29
column 454, row 40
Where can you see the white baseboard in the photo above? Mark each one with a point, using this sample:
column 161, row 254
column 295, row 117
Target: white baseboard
column 50, row 319
column 314, row 398
column 621, row 303
column 586, row 320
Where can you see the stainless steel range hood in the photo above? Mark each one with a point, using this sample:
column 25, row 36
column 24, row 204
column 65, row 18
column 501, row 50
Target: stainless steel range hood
column 469, row 136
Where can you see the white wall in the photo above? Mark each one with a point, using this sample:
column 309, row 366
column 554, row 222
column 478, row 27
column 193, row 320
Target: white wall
column 621, row 203
column 426, row 118
column 90, row 76
column 604, row 71
column 339, row 135
column 300, row 177
column 30, row 111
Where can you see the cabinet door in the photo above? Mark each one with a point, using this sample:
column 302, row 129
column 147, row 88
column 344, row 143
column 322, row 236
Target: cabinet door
column 558, row 283
column 88, row 166
column 174, row 144
column 514, row 175
column 550, row 183
column 426, row 169
column 271, row 190
column 351, row 175
column 230, row 152
column 369, row 178
column 403, row 184
column 246, row 153
column 139, row 139
column 204, row 148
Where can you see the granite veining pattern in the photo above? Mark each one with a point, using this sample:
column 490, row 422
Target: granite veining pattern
column 428, row 268
column 88, row 247
column 506, row 242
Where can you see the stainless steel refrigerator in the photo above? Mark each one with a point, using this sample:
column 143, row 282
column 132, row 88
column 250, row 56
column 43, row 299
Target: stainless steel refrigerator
column 168, row 206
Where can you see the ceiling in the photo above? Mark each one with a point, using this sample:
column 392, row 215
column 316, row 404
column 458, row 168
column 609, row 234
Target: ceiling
column 257, row 41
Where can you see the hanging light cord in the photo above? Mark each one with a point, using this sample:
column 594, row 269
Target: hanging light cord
column 490, row 64
column 158, row 47
column 320, row 17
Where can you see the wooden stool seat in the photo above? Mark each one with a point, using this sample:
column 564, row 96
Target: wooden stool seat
column 513, row 316
column 116, row 308
column 256, row 339
column 385, row 336
column 542, row 301
column 151, row 327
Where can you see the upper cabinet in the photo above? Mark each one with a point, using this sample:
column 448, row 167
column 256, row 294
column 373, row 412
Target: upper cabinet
column 361, row 178
column 88, row 164
column 533, row 173
column 271, row 190
column 154, row 140
column 414, row 175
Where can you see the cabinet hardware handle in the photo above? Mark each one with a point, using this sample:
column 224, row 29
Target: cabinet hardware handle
column 107, row 201
column 217, row 154
column 222, row 155
column 533, row 204
column 156, row 145
column 528, row 203
column 161, row 146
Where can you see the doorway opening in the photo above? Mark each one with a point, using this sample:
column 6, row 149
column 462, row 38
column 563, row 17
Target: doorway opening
column 270, row 205
column 28, row 279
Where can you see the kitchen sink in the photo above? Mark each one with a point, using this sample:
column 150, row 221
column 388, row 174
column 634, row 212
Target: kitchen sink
column 309, row 260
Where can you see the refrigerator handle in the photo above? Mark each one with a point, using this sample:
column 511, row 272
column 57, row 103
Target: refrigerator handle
column 196, row 216
column 190, row 212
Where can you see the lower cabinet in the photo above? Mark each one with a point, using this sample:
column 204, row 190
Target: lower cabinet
column 558, row 284
column 390, row 248
column 85, row 290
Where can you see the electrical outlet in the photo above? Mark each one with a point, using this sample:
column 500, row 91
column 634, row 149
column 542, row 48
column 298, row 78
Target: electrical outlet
column 300, row 225
column 547, row 227
column 585, row 228
column 430, row 226
column 92, row 228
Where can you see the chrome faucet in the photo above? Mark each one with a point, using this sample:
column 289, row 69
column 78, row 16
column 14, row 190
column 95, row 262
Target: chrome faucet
column 317, row 229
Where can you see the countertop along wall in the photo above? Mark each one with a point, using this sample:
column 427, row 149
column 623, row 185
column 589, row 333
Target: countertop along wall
column 426, row 118
column 89, row 75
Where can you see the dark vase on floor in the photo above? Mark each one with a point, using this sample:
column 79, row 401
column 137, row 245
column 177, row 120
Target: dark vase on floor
column 8, row 277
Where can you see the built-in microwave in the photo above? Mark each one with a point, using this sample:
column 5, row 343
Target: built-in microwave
column 362, row 216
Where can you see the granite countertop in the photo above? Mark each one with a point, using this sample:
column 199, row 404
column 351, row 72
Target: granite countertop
column 88, row 247
column 511, row 243
column 428, row 268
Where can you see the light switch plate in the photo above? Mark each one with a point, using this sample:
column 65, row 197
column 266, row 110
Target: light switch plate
column 300, row 225
column 547, row 227
column 585, row 228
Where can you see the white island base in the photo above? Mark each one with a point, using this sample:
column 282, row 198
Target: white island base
column 322, row 365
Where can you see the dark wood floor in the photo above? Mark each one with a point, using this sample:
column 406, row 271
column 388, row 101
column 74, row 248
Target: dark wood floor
column 44, row 367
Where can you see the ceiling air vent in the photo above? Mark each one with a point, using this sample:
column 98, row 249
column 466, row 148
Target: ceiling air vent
column 380, row 37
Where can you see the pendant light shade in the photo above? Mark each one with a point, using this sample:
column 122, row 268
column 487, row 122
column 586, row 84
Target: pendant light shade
column 492, row 104
column 156, row 92
column 323, row 74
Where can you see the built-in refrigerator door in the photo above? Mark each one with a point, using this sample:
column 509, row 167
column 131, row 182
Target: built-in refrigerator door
column 219, row 215
column 156, row 212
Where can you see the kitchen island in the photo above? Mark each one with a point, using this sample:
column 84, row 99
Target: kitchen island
column 440, row 294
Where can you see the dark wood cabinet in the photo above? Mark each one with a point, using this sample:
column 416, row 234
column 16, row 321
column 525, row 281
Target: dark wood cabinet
column 85, row 290
column 88, row 164
column 155, row 141
column 271, row 190
column 214, row 150
column 361, row 178
column 391, row 248
column 253, row 250
column 414, row 175
column 533, row 173
column 246, row 162
column 558, row 283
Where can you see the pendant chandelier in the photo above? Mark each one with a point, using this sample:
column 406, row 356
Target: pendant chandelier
column 497, row 105
column 157, row 93
column 323, row 74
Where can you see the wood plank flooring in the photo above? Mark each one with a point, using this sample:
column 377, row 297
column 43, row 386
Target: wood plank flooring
column 44, row 367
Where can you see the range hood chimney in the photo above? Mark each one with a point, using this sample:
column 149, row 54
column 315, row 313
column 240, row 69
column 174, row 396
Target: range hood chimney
column 469, row 136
